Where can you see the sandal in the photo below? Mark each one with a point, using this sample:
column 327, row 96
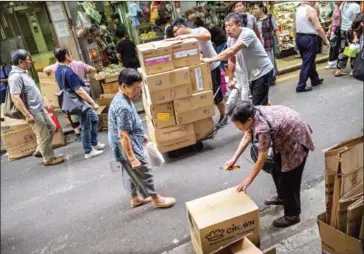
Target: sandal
column 164, row 203
column 340, row 74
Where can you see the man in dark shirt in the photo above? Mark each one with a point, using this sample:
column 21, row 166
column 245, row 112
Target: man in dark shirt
column 67, row 79
column 126, row 50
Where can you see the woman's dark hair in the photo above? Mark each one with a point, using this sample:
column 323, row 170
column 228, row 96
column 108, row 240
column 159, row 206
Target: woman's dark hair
column 129, row 76
column 180, row 21
column 242, row 111
column 356, row 22
column 199, row 23
column 262, row 6
column 115, row 16
column 17, row 55
column 218, row 35
column 169, row 32
column 120, row 33
column 60, row 53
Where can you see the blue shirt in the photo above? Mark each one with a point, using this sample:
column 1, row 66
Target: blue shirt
column 124, row 117
column 4, row 74
column 72, row 80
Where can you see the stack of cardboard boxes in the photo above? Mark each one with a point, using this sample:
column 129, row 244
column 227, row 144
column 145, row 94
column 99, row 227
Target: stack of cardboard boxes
column 177, row 93
column 342, row 226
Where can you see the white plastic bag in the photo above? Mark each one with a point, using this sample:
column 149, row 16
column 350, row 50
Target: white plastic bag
column 154, row 156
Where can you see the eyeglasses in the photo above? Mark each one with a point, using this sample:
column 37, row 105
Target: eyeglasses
column 175, row 31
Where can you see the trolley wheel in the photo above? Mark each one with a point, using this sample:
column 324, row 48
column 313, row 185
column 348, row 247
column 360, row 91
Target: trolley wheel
column 173, row 154
column 199, row 146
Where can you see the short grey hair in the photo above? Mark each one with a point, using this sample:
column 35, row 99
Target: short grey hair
column 233, row 16
column 17, row 55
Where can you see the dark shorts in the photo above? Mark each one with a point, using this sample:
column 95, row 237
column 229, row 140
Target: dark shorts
column 260, row 89
column 216, row 83
column 2, row 95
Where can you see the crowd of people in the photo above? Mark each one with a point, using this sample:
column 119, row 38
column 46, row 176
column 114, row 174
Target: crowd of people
column 247, row 37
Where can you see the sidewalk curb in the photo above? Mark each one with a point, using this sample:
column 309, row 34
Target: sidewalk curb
column 298, row 66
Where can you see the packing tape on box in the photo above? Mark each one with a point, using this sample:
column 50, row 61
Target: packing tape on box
column 185, row 53
column 163, row 116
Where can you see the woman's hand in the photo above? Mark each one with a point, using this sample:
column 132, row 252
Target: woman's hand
column 206, row 60
column 229, row 165
column 244, row 184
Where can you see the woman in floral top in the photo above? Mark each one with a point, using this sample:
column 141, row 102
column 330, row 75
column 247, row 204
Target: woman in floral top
column 292, row 141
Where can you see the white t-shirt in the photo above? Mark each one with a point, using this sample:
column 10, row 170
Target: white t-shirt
column 206, row 47
column 348, row 10
column 257, row 61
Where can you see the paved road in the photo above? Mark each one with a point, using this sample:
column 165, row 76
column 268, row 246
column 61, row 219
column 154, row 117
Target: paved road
column 80, row 206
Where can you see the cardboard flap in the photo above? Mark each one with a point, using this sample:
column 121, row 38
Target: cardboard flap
column 357, row 190
column 100, row 110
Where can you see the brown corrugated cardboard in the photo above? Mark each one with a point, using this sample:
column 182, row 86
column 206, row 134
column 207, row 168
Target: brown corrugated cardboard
column 168, row 94
column 162, row 115
column 219, row 219
column 200, row 77
column 355, row 213
column 59, row 139
column 191, row 103
column 243, row 246
column 195, row 115
column 361, row 234
column 177, row 143
column 102, row 113
column 110, row 88
column 18, row 138
column 185, row 53
column 167, row 79
column 203, row 128
column 49, row 88
column 336, row 242
column 155, row 57
column 105, row 99
column 332, row 160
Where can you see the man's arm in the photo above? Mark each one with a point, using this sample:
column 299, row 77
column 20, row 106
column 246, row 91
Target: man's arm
column 226, row 54
column 19, row 104
column 204, row 36
column 126, row 145
column 312, row 15
column 86, row 97
column 256, row 30
column 76, row 84
column 88, row 68
column 49, row 69
column 231, row 68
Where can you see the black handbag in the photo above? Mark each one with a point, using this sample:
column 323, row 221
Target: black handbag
column 270, row 164
column 358, row 70
column 10, row 110
column 70, row 102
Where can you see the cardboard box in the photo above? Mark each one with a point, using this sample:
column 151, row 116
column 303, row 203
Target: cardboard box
column 203, row 128
column 185, row 53
column 200, row 78
column 335, row 242
column 167, row 79
column 243, row 246
column 167, row 94
column 18, row 138
column 332, row 160
column 59, row 139
column 105, row 99
column 171, row 138
column 155, row 57
column 220, row 219
column 49, row 88
column 102, row 113
column 161, row 115
column 192, row 109
column 111, row 88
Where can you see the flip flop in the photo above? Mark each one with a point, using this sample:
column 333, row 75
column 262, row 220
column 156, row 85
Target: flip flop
column 340, row 75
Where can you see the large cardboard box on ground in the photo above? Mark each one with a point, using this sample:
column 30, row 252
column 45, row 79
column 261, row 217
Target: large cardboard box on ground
column 200, row 77
column 155, row 57
column 192, row 109
column 332, row 163
column 18, row 138
column 203, row 128
column 110, row 88
column 185, row 52
column 219, row 219
column 49, row 88
column 173, row 137
column 335, row 242
column 161, row 115
column 243, row 246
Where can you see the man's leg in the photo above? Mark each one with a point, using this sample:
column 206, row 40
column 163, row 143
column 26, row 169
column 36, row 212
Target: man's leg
column 260, row 89
column 315, row 80
column 306, row 54
column 86, row 132
column 342, row 59
column 219, row 98
column 277, row 178
column 94, row 127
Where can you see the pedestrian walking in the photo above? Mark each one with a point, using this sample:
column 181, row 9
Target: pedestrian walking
column 69, row 80
column 349, row 10
column 306, row 28
column 4, row 75
column 268, row 29
column 333, row 35
column 292, row 141
column 249, row 49
column 28, row 100
column 181, row 32
column 80, row 68
column 127, row 141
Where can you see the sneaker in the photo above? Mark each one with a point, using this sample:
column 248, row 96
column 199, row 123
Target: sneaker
column 78, row 137
column 223, row 121
column 331, row 66
column 37, row 154
column 274, row 201
column 302, row 90
column 93, row 153
column 321, row 81
column 99, row 146
column 250, row 96
column 286, row 221
column 164, row 202
column 54, row 161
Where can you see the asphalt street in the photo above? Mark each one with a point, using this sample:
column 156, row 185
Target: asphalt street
column 81, row 206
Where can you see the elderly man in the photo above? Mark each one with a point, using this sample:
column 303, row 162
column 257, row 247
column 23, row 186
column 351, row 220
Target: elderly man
column 28, row 100
column 250, row 53
column 182, row 31
column 306, row 28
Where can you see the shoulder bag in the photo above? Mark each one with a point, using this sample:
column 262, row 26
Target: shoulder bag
column 270, row 164
column 10, row 109
column 69, row 101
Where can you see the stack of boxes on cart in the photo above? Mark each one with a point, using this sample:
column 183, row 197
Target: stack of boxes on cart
column 177, row 93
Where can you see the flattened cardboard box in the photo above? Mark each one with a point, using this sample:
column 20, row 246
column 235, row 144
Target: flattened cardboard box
column 167, row 79
column 219, row 219
column 200, row 78
column 335, row 242
column 168, row 94
column 162, row 115
column 203, row 128
column 155, row 57
column 185, row 53
column 49, row 88
column 171, row 138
